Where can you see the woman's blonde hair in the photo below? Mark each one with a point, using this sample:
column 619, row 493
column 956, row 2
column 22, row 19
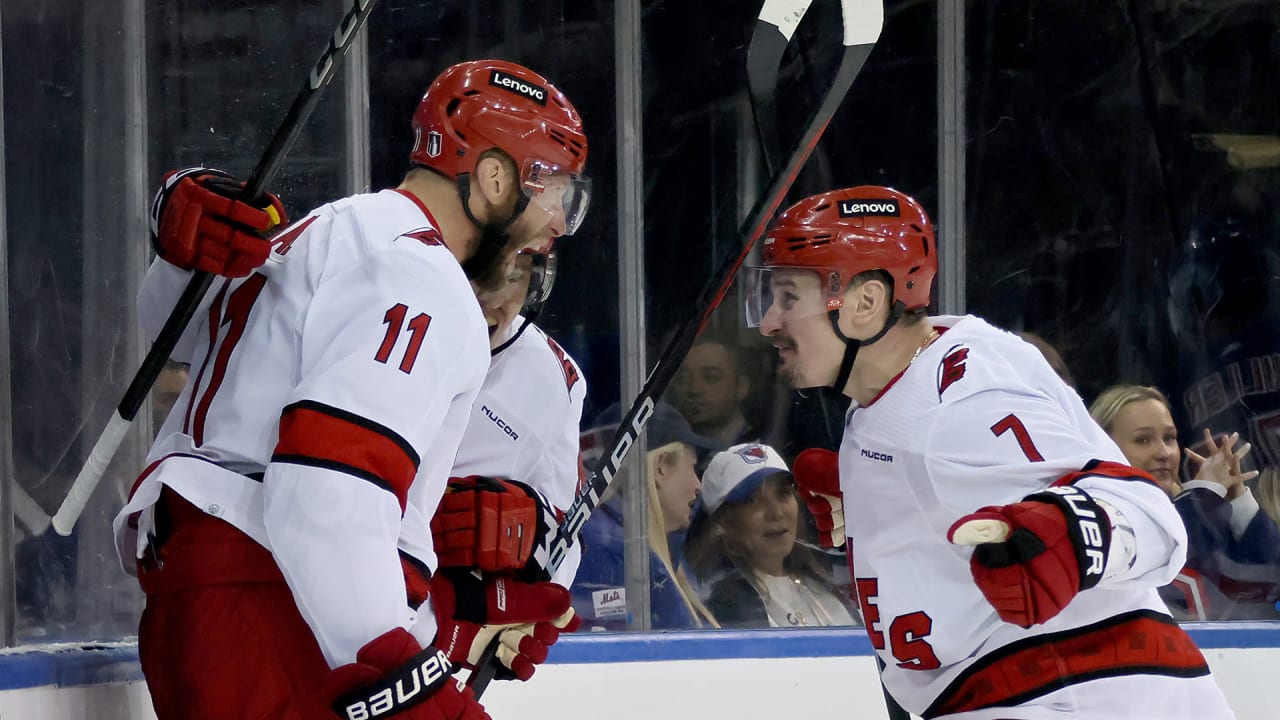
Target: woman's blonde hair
column 1267, row 492
column 1113, row 399
column 666, row 455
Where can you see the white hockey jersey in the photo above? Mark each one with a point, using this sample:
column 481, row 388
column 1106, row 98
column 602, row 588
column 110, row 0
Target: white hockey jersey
column 979, row 418
column 328, row 392
column 525, row 423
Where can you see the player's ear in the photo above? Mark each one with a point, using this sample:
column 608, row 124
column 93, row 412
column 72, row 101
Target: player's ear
column 864, row 299
column 495, row 180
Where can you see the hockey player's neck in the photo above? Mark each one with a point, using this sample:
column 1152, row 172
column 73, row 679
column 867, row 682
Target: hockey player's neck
column 440, row 196
column 881, row 362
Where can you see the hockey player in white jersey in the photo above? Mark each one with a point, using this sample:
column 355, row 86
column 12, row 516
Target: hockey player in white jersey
column 1004, row 557
column 526, row 420
column 281, row 530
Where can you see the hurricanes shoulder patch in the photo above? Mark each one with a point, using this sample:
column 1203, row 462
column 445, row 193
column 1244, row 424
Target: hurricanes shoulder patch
column 951, row 369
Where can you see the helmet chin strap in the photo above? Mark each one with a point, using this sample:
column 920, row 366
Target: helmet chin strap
column 464, row 191
column 493, row 236
column 852, row 346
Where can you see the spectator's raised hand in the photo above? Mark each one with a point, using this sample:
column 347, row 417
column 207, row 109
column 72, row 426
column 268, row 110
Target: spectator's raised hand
column 1223, row 464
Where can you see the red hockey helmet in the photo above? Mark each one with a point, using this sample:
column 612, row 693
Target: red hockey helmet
column 475, row 106
column 842, row 233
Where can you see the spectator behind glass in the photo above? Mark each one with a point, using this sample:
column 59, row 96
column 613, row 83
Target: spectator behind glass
column 1267, row 491
column 164, row 394
column 1051, row 355
column 710, row 390
column 672, row 485
column 743, row 543
column 1233, row 553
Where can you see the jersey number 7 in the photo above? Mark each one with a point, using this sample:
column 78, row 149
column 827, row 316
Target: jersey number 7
column 1011, row 422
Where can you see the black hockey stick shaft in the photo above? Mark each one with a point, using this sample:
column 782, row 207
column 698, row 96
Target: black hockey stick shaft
column 863, row 20
column 769, row 41
column 764, row 56
column 176, row 324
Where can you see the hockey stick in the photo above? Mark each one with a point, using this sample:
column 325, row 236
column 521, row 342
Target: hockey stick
column 862, row 20
column 764, row 55
column 305, row 102
column 775, row 26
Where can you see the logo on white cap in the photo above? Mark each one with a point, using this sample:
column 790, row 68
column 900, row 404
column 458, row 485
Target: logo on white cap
column 752, row 454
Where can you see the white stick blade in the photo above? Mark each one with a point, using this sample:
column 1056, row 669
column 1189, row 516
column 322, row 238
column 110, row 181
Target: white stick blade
column 785, row 14
column 863, row 20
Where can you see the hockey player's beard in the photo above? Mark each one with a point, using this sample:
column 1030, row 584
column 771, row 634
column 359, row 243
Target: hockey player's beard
column 487, row 266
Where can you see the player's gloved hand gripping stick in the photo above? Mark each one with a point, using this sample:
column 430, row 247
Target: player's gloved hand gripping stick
column 862, row 20
column 252, row 194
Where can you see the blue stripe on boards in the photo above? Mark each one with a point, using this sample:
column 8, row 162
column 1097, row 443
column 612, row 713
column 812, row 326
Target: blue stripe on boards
column 70, row 666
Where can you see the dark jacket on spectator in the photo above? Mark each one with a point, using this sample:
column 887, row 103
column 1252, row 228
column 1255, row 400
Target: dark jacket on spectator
column 1226, row 578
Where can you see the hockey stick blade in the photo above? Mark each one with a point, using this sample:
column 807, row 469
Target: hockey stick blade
column 777, row 23
column 174, row 326
column 863, row 20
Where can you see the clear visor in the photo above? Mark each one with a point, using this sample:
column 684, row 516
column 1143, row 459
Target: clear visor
column 788, row 293
column 561, row 194
column 542, row 277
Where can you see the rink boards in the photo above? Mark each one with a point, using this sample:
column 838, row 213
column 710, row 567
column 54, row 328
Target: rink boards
column 739, row 674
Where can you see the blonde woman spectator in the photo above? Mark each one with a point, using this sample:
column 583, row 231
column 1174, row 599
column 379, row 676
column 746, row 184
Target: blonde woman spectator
column 743, row 544
column 1233, row 553
column 672, row 486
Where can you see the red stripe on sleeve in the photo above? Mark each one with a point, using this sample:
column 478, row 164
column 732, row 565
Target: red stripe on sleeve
column 322, row 436
column 1105, row 468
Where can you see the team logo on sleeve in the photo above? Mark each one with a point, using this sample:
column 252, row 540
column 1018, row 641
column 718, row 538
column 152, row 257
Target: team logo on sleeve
column 280, row 244
column 567, row 367
column 951, row 369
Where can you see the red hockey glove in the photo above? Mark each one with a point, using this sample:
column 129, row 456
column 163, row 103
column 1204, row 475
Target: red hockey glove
column 1032, row 557
column 817, row 474
column 198, row 223
column 495, row 525
column 528, row 617
column 394, row 677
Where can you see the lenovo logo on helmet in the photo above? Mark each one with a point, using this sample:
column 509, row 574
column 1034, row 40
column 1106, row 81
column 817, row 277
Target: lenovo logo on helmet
column 506, row 81
column 864, row 208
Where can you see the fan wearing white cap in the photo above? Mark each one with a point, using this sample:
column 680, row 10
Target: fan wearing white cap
column 743, row 543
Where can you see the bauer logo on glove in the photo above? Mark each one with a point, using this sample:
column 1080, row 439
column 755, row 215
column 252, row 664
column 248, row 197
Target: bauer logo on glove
column 1031, row 558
